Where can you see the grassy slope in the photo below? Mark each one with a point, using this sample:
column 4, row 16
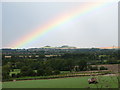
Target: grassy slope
column 76, row 82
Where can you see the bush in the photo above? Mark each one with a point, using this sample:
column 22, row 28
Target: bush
column 18, row 75
column 94, row 68
column 30, row 72
column 13, row 75
column 26, row 71
column 48, row 71
column 40, row 72
column 5, row 75
column 103, row 68
column 56, row 72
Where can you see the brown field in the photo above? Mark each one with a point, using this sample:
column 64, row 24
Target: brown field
column 112, row 67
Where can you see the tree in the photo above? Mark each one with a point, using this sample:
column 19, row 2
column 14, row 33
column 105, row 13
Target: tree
column 56, row 72
column 5, row 72
column 94, row 68
column 82, row 65
column 48, row 71
column 103, row 68
column 13, row 75
column 70, row 64
column 19, row 65
column 26, row 71
column 40, row 72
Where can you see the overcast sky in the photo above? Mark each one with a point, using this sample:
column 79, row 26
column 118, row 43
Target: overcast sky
column 98, row 28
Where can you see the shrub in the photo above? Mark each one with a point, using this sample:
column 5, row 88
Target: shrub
column 56, row 72
column 48, row 71
column 40, row 72
column 26, row 71
column 94, row 68
column 18, row 75
column 103, row 68
column 13, row 75
column 5, row 75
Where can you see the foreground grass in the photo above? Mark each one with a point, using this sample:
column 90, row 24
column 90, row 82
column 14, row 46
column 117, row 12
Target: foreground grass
column 74, row 82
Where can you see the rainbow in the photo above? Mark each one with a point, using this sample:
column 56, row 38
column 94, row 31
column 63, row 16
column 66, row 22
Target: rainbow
column 55, row 23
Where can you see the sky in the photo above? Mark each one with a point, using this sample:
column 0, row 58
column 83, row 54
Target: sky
column 0, row 25
column 97, row 28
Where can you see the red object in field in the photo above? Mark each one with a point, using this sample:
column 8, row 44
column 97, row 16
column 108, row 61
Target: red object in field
column 92, row 81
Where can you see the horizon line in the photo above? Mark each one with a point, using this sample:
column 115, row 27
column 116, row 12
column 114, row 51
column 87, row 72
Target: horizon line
column 113, row 47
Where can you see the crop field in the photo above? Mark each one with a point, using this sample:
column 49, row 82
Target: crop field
column 73, row 82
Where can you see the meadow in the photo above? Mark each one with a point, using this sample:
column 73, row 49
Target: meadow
column 73, row 82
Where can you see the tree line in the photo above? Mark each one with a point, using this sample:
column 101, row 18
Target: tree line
column 45, row 66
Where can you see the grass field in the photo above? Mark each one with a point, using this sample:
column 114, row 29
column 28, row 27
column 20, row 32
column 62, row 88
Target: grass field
column 74, row 82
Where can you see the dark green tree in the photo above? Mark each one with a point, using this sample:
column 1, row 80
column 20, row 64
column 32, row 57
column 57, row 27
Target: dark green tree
column 5, row 72
column 82, row 65
column 27, row 71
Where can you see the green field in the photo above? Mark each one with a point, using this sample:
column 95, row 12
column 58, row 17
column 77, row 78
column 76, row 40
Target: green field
column 74, row 82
